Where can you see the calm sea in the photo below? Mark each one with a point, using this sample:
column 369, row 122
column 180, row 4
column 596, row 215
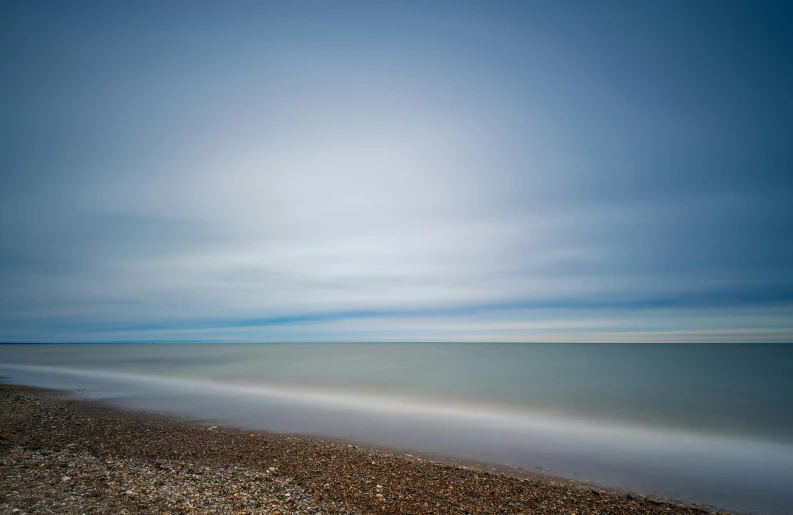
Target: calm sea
column 709, row 423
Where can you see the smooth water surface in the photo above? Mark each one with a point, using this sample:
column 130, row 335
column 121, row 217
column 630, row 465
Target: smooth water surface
column 703, row 422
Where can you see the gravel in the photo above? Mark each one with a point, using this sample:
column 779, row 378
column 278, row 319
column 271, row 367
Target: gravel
column 59, row 455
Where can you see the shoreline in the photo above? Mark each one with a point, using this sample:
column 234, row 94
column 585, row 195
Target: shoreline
column 59, row 454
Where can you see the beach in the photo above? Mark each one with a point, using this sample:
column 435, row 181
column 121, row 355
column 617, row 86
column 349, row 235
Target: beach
column 59, row 454
column 617, row 418
column 396, row 257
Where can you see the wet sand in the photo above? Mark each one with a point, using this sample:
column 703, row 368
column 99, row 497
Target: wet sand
column 61, row 455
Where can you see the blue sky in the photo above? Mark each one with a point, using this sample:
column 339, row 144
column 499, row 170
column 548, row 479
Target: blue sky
column 350, row 170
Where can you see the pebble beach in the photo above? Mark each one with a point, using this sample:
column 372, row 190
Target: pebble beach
column 63, row 455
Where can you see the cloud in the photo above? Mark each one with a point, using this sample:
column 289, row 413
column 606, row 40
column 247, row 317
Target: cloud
column 330, row 177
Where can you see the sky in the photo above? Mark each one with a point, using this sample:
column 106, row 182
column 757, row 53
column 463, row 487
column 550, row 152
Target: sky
column 396, row 171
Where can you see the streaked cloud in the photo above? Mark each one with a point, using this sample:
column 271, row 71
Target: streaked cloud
column 390, row 171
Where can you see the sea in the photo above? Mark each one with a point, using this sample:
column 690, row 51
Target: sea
column 704, row 423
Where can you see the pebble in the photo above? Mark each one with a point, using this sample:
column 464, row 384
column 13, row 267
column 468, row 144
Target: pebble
column 137, row 463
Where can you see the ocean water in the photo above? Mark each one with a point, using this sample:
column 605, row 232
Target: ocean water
column 709, row 423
